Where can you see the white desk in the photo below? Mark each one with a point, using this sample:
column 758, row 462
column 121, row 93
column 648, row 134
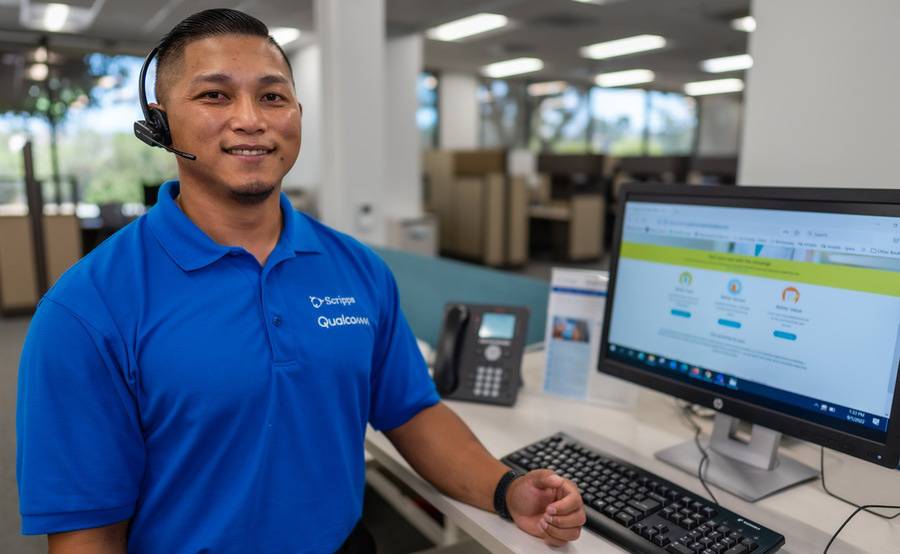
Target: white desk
column 805, row 515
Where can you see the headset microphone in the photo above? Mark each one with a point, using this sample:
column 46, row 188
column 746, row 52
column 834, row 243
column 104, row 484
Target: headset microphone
column 154, row 128
column 146, row 133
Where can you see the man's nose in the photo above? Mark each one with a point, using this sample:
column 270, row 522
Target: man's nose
column 247, row 116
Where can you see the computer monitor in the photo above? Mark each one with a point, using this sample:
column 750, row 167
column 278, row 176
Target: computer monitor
column 776, row 306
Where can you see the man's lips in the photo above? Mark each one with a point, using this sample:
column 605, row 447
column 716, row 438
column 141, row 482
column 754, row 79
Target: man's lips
column 248, row 150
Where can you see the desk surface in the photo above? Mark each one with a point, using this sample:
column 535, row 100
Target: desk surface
column 804, row 514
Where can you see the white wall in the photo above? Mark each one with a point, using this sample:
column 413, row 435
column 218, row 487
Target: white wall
column 403, row 190
column 354, row 134
column 821, row 99
column 720, row 125
column 458, row 120
column 307, row 171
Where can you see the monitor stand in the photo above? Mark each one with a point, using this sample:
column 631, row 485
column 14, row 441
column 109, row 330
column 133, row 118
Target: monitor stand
column 749, row 470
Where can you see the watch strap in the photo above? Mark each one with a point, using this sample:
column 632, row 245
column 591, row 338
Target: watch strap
column 500, row 493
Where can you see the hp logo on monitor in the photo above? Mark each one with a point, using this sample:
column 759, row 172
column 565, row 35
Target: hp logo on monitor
column 717, row 403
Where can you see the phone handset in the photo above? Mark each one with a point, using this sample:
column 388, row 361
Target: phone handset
column 446, row 368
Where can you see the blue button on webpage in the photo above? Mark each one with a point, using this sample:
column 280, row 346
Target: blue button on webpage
column 681, row 313
column 729, row 323
column 785, row 335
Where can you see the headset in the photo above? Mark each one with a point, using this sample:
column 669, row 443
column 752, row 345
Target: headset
column 154, row 128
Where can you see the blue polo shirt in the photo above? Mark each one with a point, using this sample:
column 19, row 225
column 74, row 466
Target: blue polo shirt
column 219, row 405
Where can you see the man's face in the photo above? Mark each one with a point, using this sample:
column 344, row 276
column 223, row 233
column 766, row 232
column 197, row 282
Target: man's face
column 232, row 104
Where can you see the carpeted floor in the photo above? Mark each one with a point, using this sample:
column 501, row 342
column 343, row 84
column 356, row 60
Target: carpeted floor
column 12, row 333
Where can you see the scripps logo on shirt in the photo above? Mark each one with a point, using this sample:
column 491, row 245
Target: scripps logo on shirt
column 342, row 320
column 318, row 302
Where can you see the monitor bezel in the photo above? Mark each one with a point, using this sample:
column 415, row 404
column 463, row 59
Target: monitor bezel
column 866, row 202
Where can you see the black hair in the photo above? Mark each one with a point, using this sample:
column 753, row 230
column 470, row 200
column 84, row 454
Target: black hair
column 208, row 23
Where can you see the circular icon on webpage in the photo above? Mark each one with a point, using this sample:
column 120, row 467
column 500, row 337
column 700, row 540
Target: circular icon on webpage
column 735, row 286
column 685, row 279
column 790, row 294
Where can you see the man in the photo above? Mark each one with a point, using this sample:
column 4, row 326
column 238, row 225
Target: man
column 178, row 389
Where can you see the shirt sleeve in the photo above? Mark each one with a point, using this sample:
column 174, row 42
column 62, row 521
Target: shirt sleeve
column 80, row 451
column 401, row 385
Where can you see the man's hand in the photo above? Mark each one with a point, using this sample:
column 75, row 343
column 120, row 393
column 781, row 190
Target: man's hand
column 545, row 505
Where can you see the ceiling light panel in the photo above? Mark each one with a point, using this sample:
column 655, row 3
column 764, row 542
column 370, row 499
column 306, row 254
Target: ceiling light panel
column 58, row 17
column 717, row 86
column 623, row 47
column 728, row 63
column 512, row 67
column 467, row 27
column 547, row 88
column 625, row 78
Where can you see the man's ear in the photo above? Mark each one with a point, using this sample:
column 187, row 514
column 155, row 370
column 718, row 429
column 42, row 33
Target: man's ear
column 155, row 106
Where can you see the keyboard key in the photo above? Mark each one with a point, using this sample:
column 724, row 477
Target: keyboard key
column 661, row 540
column 751, row 546
column 737, row 549
column 598, row 504
column 624, row 518
column 676, row 548
column 646, row 506
column 710, row 512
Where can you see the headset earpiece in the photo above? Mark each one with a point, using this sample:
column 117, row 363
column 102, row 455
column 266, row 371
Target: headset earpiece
column 154, row 128
column 159, row 121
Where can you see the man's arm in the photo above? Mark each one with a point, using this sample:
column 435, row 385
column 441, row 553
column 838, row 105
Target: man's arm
column 443, row 450
column 110, row 539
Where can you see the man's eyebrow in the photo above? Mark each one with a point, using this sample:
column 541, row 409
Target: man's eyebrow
column 222, row 78
column 274, row 79
column 211, row 78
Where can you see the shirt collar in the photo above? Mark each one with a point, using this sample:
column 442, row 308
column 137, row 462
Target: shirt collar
column 192, row 249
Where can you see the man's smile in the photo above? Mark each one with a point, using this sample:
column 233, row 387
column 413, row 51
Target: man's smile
column 248, row 150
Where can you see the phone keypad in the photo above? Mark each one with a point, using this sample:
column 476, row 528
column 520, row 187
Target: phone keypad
column 487, row 381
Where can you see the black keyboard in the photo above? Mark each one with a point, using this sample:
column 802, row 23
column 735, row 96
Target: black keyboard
column 641, row 511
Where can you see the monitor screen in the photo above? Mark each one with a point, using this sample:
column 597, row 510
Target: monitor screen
column 497, row 326
column 796, row 310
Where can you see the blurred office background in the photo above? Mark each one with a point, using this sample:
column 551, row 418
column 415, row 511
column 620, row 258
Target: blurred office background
column 500, row 141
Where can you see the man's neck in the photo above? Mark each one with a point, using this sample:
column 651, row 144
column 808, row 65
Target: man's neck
column 255, row 227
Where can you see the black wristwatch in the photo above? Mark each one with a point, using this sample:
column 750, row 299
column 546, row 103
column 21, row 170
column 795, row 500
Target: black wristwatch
column 500, row 493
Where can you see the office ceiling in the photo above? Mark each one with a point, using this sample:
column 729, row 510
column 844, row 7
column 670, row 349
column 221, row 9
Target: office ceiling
column 552, row 30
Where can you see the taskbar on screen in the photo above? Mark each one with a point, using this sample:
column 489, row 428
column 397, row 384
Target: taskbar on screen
column 843, row 418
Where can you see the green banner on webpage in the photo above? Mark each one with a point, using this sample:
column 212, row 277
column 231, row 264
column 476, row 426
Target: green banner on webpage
column 837, row 276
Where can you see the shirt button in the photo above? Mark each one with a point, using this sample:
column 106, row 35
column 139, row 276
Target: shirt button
column 276, row 321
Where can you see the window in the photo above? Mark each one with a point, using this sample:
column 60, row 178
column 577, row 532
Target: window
column 96, row 147
column 499, row 106
column 619, row 118
column 559, row 122
column 427, row 112
column 672, row 123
